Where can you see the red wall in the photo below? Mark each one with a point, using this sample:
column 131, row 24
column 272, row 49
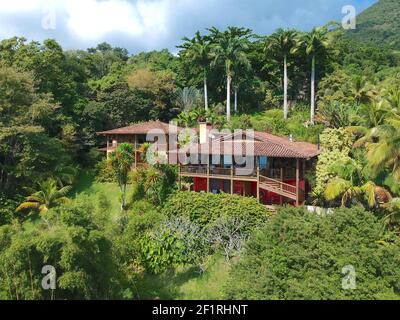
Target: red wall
column 200, row 184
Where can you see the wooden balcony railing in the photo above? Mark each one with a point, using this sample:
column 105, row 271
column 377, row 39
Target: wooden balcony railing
column 279, row 185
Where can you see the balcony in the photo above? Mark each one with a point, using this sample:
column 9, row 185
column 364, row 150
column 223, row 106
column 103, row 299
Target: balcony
column 218, row 172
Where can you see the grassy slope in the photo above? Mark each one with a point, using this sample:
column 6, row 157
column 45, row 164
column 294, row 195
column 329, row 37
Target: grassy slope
column 186, row 283
column 86, row 185
column 182, row 283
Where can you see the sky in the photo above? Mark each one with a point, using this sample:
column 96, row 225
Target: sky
column 144, row 25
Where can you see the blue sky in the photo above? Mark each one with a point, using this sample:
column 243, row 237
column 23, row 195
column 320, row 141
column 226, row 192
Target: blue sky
column 142, row 25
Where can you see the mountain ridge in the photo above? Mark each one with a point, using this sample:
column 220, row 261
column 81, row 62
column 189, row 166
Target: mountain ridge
column 379, row 24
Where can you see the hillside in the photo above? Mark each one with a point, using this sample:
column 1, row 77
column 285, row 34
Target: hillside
column 379, row 24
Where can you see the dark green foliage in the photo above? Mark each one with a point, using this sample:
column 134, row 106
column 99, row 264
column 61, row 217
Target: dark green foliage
column 205, row 208
column 300, row 255
column 73, row 240
column 105, row 172
column 379, row 24
column 154, row 183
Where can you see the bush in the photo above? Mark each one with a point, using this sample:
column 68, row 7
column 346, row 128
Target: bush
column 154, row 183
column 105, row 172
column 7, row 209
column 206, row 208
column 300, row 255
column 176, row 242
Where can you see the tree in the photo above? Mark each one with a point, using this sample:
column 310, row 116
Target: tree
column 350, row 185
column 280, row 45
column 383, row 148
column 122, row 160
column 46, row 197
column 315, row 44
column 198, row 51
column 300, row 255
column 187, row 98
column 231, row 50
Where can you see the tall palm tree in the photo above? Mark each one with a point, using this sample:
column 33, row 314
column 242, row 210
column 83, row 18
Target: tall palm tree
column 280, row 45
column 45, row 197
column 231, row 49
column 315, row 44
column 198, row 51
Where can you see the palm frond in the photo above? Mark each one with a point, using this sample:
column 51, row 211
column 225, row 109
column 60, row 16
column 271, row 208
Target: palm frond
column 27, row 205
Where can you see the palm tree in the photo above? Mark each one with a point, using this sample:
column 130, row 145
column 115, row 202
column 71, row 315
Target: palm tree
column 316, row 44
column 349, row 184
column 231, row 49
column 198, row 51
column 187, row 98
column 238, row 78
column 383, row 148
column 392, row 97
column 362, row 91
column 122, row 160
column 45, row 197
column 280, row 44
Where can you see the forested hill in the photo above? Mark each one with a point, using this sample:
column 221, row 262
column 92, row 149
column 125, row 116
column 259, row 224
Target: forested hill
column 379, row 24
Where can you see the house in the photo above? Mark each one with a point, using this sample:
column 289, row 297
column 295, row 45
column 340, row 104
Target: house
column 249, row 163
column 138, row 135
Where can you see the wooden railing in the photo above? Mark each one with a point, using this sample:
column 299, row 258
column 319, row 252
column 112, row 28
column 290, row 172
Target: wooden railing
column 219, row 171
column 279, row 185
column 202, row 170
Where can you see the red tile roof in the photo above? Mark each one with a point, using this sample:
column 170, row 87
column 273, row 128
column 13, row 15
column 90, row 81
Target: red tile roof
column 140, row 128
column 263, row 144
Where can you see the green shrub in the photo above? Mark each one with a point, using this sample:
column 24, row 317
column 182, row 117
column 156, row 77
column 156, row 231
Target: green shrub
column 175, row 242
column 205, row 208
column 301, row 255
column 105, row 172
column 7, row 209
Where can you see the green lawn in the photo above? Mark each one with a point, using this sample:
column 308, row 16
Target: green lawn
column 87, row 186
column 186, row 283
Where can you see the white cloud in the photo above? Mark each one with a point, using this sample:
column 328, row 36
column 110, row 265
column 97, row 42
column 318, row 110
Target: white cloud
column 12, row 6
column 93, row 19
column 155, row 24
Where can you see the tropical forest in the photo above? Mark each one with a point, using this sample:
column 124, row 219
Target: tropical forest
column 111, row 232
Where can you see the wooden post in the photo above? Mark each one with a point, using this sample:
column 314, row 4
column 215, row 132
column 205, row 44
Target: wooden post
column 208, row 178
column 297, row 181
